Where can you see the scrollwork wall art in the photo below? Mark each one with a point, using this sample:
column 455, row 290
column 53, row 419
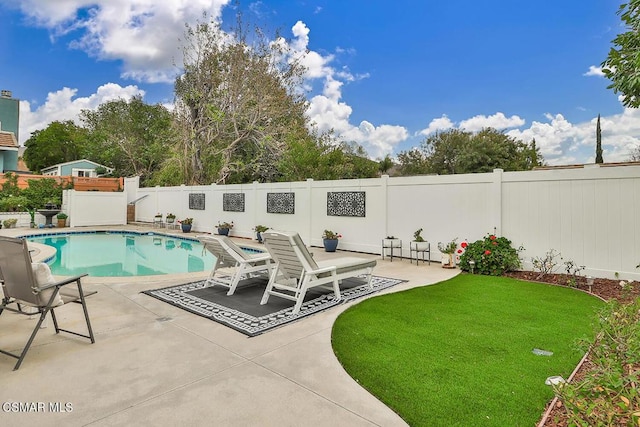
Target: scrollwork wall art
column 196, row 201
column 233, row 202
column 346, row 203
column 282, row 203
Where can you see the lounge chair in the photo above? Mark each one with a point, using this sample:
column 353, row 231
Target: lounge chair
column 228, row 254
column 31, row 284
column 296, row 271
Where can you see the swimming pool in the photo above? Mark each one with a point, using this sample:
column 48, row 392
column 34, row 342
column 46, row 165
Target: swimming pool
column 113, row 254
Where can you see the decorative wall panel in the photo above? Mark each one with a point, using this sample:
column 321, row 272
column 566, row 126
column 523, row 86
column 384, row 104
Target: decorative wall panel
column 196, row 201
column 233, row 202
column 346, row 203
column 282, row 203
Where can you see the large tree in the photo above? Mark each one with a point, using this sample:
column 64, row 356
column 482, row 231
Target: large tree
column 458, row 151
column 132, row 137
column 622, row 65
column 59, row 142
column 239, row 104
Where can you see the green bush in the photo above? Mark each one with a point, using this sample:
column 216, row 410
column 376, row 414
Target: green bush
column 14, row 204
column 492, row 255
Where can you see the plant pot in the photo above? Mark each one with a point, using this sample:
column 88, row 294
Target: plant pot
column 258, row 237
column 62, row 223
column 330, row 245
column 186, row 228
column 223, row 231
column 170, row 220
column 448, row 261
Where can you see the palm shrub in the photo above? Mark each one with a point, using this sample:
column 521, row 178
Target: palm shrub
column 492, row 256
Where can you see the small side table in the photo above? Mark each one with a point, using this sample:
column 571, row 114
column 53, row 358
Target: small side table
column 391, row 244
column 420, row 247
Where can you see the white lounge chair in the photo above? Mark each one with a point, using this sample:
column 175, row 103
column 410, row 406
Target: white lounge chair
column 228, row 254
column 296, row 271
column 31, row 284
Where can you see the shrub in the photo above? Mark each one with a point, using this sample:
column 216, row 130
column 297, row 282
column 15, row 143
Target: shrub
column 492, row 255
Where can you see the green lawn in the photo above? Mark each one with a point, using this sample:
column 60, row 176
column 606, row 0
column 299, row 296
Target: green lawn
column 460, row 352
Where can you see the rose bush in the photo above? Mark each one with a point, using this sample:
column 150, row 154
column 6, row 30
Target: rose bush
column 492, row 256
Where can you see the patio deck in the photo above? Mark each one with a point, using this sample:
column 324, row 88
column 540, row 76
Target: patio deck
column 155, row 364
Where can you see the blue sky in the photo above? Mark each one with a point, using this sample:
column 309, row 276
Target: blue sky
column 383, row 74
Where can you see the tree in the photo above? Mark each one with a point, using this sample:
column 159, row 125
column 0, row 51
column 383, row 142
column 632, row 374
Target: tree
column 622, row 65
column 598, row 142
column 458, row 151
column 385, row 164
column 133, row 137
column 59, row 142
column 239, row 105
column 635, row 154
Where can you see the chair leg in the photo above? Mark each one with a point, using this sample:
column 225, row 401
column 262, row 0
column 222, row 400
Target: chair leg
column 235, row 279
column 43, row 314
column 272, row 280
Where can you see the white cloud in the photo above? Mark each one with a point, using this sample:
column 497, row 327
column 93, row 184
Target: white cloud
column 62, row 105
column 496, row 121
column 594, row 71
column 144, row 35
column 441, row 123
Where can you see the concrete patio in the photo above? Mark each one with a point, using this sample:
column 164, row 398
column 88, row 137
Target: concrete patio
column 155, row 364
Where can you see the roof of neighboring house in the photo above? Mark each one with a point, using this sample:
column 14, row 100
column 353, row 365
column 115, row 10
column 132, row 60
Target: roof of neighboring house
column 8, row 139
column 72, row 162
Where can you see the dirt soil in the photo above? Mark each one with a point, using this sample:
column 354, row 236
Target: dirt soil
column 604, row 288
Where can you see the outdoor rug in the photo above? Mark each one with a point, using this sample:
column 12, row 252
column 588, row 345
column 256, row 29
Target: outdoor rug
column 242, row 310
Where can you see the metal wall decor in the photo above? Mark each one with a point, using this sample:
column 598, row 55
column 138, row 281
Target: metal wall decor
column 196, row 201
column 233, row 202
column 346, row 203
column 282, row 203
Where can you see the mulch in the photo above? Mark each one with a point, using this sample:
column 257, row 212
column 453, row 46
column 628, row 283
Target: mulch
column 606, row 289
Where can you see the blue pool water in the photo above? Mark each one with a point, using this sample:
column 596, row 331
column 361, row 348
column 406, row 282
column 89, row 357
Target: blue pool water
column 108, row 254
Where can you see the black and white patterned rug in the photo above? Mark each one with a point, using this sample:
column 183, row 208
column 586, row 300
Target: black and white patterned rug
column 242, row 310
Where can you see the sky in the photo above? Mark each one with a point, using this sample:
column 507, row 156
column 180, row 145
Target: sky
column 383, row 74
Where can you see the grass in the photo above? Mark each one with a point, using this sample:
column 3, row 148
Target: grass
column 460, row 352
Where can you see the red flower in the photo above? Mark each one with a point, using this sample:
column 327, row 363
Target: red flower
column 459, row 251
column 492, row 237
column 464, row 245
column 495, row 243
column 487, row 252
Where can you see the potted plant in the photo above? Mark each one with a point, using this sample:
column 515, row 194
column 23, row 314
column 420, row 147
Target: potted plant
column 224, row 228
column 10, row 223
column 391, row 242
column 419, row 242
column 330, row 240
column 448, row 253
column 32, row 215
column 171, row 218
column 260, row 229
column 62, row 219
column 186, row 224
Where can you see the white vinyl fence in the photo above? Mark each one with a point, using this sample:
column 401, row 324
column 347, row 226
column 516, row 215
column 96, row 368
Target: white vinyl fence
column 589, row 215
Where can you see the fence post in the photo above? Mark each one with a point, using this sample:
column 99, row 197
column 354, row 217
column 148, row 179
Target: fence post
column 496, row 190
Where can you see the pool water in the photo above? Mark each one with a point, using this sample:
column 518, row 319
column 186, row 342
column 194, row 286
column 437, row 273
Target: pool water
column 113, row 254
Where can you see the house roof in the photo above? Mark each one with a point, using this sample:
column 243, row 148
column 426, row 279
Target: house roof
column 56, row 166
column 8, row 139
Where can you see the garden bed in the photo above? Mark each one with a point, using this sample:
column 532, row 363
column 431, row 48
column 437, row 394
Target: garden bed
column 606, row 289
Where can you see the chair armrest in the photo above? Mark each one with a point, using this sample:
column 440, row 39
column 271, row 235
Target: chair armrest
column 323, row 270
column 62, row 282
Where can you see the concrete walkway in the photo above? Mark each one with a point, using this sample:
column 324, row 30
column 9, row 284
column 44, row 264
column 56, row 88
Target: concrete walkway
column 157, row 365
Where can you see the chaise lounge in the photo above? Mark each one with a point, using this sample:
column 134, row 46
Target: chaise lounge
column 228, row 254
column 296, row 271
